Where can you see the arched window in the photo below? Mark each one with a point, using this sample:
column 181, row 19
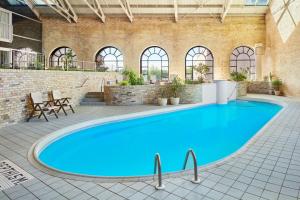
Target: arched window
column 155, row 62
column 242, row 59
column 63, row 57
column 195, row 56
column 109, row 59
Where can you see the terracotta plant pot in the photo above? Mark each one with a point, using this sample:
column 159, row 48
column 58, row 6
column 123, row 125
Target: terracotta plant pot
column 174, row 101
column 277, row 92
column 162, row 101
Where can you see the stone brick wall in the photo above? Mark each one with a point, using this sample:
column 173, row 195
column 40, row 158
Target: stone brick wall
column 147, row 94
column 241, row 88
column 130, row 95
column 88, row 36
column 15, row 85
column 259, row 87
column 191, row 94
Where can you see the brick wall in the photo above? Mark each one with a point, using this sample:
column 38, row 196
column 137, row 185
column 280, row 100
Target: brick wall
column 283, row 58
column 15, row 85
column 88, row 36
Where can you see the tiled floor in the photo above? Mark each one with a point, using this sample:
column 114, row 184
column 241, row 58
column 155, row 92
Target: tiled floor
column 269, row 169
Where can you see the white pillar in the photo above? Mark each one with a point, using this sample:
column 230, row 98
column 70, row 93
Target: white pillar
column 259, row 54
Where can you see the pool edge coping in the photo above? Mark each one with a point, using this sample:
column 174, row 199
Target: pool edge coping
column 53, row 136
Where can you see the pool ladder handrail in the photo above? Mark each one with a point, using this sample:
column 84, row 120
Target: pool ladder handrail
column 157, row 167
column 191, row 152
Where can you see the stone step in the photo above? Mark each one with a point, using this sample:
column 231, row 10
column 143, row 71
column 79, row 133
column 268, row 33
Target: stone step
column 95, row 95
column 92, row 103
column 92, row 99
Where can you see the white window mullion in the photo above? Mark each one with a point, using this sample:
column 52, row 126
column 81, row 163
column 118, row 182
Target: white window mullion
column 6, row 33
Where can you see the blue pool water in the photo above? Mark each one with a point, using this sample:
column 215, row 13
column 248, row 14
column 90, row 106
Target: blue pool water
column 127, row 148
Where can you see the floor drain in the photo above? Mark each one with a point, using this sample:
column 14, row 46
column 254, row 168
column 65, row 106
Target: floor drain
column 11, row 175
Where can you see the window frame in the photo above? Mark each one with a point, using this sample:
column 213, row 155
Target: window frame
column 53, row 54
column 9, row 25
column 161, row 60
column 9, row 50
column 252, row 61
column 119, row 69
column 212, row 60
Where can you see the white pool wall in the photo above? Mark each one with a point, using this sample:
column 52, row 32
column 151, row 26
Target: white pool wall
column 220, row 92
column 209, row 93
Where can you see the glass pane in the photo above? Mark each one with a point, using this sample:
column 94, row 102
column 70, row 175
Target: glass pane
column 209, row 77
column 188, row 57
column 189, row 63
column 165, row 57
column 165, row 63
column 232, row 63
column 240, row 49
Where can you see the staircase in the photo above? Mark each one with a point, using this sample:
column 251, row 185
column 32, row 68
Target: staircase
column 93, row 99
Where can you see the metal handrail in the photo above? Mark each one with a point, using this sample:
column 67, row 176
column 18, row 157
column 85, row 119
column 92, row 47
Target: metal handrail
column 191, row 152
column 157, row 167
column 102, row 85
column 234, row 89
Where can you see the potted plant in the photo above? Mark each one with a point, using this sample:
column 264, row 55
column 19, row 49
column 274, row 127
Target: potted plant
column 240, row 78
column 277, row 83
column 175, row 87
column 163, row 99
column 270, row 83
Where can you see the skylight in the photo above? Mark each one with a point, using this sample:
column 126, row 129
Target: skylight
column 286, row 15
column 256, row 2
column 39, row 2
column 16, row 2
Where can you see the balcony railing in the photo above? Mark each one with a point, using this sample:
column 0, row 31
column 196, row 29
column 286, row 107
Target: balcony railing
column 30, row 60
column 40, row 64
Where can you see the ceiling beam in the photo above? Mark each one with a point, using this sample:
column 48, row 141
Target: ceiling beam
column 226, row 7
column 96, row 8
column 126, row 7
column 30, row 4
column 64, row 8
column 176, row 10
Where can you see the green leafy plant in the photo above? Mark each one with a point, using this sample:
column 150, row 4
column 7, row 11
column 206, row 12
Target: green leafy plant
column 176, row 87
column 101, row 69
column 271, row 76
column 123, row 83
column 39, row 65
column 202, row 71
column 132, row 77
column 154, row 72
column 68, row 60
column 277, row 83
column 193, row 82
column 139, row 81
column 238, row 76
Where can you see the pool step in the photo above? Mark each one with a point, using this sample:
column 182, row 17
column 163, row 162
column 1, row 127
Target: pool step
column 93, row 98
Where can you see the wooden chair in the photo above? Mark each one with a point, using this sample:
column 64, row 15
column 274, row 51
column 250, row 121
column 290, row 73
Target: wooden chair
column 41, row 107
column 60, row 101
